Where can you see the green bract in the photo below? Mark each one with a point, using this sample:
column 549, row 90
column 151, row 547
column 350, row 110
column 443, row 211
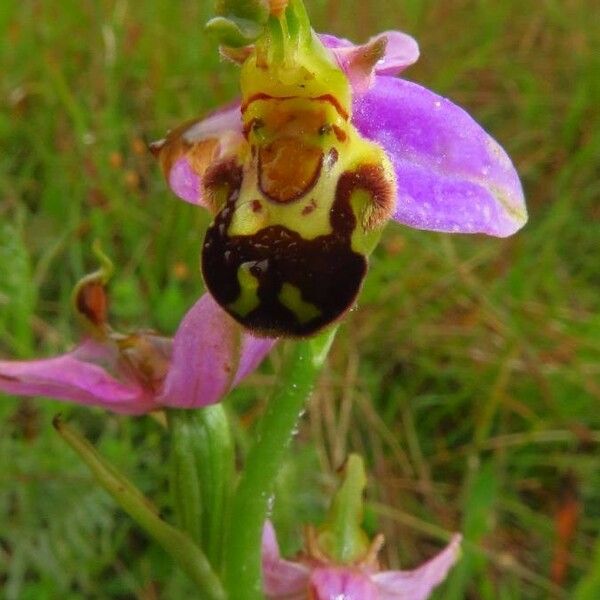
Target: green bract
column 239, row 22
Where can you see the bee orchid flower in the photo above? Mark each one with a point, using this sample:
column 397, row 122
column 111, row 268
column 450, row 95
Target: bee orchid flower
column 326, row 146
column 142, row 372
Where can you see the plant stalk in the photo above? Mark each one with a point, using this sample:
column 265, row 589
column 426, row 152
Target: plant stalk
column 253, row 494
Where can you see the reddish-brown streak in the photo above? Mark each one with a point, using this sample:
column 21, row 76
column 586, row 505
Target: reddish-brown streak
column 324, row 98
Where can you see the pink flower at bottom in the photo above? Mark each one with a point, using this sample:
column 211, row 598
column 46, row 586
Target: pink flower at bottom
column 312, row 578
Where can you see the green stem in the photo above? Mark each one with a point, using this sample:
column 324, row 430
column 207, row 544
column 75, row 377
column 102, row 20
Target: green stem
column 252, row 496
column 178, row 544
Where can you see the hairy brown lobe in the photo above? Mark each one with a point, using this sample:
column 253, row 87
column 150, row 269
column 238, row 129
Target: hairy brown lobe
column 224, row 175
column 381, row 189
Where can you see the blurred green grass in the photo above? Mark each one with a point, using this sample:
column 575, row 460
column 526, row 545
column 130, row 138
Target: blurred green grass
column 469, row 375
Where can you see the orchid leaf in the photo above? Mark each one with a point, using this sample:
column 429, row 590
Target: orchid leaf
column 203, row 470
column 178, row 544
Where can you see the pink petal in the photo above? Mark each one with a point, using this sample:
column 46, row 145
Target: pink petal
column 79, row 376
column 185, row 182
column 401, row 51
column 282, row 579
column 418, row 584
column 254, row 350
column 211, row 354
column 187, row 151
column 342, row 584
column 227, row 118
column 451, row 175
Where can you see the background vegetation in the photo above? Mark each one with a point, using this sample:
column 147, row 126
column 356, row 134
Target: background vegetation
column 469, row 376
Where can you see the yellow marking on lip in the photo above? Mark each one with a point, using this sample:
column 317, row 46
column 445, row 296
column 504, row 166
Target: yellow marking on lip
column 310, row 224
column 248, row 299
column 291, row 297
